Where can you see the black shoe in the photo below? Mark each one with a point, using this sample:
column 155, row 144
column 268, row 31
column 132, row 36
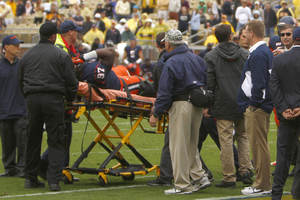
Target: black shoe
column 224, row 184
column 34, row 184
column 273, row 173
column 246, row 178
column 158, row 182
column 251, row 172
column 291, row 174
column 8, row 174
column 21, row 174
column 238, row 177
column 54, row 187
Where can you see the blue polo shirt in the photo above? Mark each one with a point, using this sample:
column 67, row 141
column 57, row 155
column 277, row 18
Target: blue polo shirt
column 12, row 102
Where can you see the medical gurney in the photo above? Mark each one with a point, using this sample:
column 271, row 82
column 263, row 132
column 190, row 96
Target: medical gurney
column 117, row 105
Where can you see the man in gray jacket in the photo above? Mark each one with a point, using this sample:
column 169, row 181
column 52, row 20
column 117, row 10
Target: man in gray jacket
column 224, row 68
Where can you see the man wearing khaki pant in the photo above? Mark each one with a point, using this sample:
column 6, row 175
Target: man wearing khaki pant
column 254, row 100
column 224, row 66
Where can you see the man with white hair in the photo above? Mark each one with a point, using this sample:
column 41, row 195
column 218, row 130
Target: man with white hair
column 185, row 118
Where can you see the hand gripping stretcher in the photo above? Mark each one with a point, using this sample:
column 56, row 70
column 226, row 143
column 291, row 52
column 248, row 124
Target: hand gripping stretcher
column 117, row 105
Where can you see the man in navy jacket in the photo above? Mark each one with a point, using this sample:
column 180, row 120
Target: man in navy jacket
column 183, row 71
column 254, row 100
column 13, row 122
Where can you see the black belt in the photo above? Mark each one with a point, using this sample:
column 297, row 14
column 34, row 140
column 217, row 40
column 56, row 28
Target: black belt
column 182, row 97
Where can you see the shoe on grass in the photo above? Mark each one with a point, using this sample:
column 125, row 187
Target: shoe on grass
column 225, row 184
column 202, row 184
column 34, row 184
column 253, row 190
column 246, row 178
column 158, row 182
column 177, row 191
column 54, row 187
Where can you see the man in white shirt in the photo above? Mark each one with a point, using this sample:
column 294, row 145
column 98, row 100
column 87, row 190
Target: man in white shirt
column 122, row 9
column 242, row 15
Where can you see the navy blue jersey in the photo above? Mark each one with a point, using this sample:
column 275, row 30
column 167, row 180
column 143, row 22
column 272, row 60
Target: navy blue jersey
column 101, row 75
column 133, row 54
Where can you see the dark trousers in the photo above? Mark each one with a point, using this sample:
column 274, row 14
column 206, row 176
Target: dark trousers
column 49, row 109
column 288, row 132
column 166, row 171
column 194, row 39
column 147, row 10
column 296, row 184
column 209, row 127
column 13, row 138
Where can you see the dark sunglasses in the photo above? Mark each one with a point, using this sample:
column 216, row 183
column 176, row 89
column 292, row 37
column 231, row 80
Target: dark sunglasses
column 287, row 34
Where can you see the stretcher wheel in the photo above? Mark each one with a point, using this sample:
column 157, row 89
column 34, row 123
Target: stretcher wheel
column 73, row 118
column 128, row 178
column 68, row 178
column 102, row 182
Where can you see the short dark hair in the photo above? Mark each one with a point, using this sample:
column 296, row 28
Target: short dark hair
column 223, row 33
column 158, row 38
column 241, row 31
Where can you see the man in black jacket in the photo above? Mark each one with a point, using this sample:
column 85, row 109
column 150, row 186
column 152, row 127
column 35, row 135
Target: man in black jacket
column 270, row 20
column 46, row 77
column 285, row 91
column 225, row 64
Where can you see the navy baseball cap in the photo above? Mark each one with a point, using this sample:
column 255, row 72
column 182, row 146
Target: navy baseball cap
column 69, row 25
column 296, row 34
column 275, row 42
column 11, row 39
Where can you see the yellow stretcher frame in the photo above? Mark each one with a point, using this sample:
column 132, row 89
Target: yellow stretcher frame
column 123, row 168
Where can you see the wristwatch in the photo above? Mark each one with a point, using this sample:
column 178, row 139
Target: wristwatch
column 252, row 108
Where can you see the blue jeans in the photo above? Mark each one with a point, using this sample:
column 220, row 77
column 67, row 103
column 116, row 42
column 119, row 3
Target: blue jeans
column 239, row 26
column 269, row 32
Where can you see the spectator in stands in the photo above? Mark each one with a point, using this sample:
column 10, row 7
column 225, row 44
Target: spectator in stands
column 212, row 21
column 12, row 5
column 297, row 8
column 243, row 39
column 284, row 11
column 99, row 23
column 122, row 9
column 28, row 8
column 144, row 17
column 139, row 26
column 20, row 12
column 113, row 34
column 162, row 7
column 47, row 6
column 211, row 38
column 249, row 4
column 146, row 32
column 202, row 6
column 205, row 51
column 160, row 27
column 92, row 34
column 96, row 44
column 2, row 23
column 55, row 19
column 86, row 25
column 78, row 19
column 242, row 15
column 50, row 14
column 127, row 34
column 202, row 16
column 7, row 13
column 108, row 7
column 184, row 18
column 185, row 3
column 105, row 19
column 135, row 11
column 133, row 22
column 148, row 6
column 131, row 6
column 195, row 24
column 38, row 12
column 256, row 15
column 174, row 8
column 121, row 25
column 212, row 7
column 225, row 21
column 270, row 20
column 147, row 70
column 259, row 9
column 98, row 9
column 84, row 11
column 226, row 9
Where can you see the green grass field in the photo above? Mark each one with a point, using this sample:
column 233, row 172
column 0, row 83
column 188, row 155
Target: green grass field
column 149, row 145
